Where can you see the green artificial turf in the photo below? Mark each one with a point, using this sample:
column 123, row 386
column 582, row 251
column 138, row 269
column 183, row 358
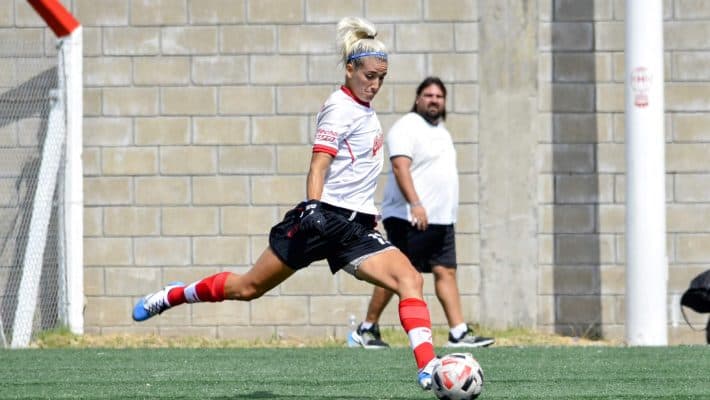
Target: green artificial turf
column 349, row 374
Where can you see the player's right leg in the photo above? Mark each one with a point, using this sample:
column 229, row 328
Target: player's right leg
column 267, row 272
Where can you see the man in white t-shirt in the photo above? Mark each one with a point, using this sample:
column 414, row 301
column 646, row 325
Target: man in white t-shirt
column 419, row 211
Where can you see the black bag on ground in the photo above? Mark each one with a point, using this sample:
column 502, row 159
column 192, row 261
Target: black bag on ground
column 697, row 297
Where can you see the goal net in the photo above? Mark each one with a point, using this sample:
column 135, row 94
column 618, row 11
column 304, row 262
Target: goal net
column 40, row 256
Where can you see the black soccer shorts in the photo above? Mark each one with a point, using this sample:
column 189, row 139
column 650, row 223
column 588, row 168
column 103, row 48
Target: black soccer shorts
column 434, row 246
column 349, row 238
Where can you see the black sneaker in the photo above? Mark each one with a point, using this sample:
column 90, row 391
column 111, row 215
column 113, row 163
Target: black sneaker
column 468, row 339
column 369, row 338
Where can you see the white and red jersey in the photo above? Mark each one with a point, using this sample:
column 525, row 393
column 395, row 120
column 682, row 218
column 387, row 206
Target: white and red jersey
column 348, row 129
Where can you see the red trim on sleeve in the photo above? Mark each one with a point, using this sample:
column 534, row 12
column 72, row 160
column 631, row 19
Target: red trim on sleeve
column 352, row 95
column 319, row 148
column 56, row 16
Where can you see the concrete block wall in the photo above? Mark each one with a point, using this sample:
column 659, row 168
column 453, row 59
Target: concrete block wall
column 199, row 117
column 198, row 126
column 582, row 159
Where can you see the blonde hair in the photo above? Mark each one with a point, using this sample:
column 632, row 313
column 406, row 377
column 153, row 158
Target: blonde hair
column 356, row 39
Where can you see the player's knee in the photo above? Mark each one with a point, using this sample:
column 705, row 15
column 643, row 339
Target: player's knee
column 412, row 279
column 249, row 292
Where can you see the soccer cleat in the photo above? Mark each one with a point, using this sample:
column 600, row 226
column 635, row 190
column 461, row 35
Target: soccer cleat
column 425, row 374
column 368, row 338
column 468, row 339
column 154, row 303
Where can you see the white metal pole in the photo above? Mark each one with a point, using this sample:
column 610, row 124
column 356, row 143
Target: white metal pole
column 647, row 264
column 74, row 197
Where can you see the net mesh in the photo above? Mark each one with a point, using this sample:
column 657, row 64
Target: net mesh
column 28, row 94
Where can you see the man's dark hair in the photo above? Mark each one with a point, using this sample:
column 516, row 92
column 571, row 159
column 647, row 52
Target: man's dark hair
column 432, row 80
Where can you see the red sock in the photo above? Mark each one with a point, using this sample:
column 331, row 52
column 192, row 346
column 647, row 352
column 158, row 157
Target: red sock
column 414, row 316
column 210, row 289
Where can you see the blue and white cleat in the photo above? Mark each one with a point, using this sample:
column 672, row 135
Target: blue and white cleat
column 154, row 303
column 425, row 374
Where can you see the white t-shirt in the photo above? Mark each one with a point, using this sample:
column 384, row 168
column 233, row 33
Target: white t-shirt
column 433, row 170
column 349, row 130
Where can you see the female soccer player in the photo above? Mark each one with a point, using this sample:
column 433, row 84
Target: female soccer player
column 337, row 220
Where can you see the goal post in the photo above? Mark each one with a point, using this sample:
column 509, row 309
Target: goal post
column 646, row 258
column 60, row 174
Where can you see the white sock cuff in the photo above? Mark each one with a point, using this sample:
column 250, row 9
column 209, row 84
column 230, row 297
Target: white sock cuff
column 418, row 336
column 191, row 293
column 458, row 330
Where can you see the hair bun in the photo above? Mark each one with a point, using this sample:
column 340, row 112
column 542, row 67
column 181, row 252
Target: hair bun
column 351, row 32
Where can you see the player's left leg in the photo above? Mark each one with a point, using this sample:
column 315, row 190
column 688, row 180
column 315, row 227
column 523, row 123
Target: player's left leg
column 367, row 333
column 392, row 270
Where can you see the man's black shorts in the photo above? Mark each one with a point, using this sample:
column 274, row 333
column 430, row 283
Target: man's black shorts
column 434, row 246
column 348, row 239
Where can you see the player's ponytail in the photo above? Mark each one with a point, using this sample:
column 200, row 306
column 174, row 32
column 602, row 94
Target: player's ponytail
column 356, row 39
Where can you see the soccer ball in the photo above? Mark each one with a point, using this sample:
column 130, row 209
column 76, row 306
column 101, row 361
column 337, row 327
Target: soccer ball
column 458, row 377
